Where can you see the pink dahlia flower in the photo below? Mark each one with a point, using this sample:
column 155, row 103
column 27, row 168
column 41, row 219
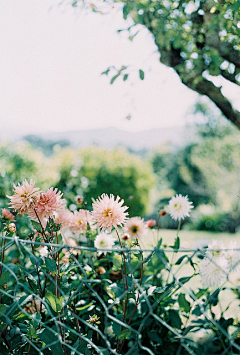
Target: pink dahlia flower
column 7, row 215
column 63, row 218
column 79, row 221
column 25, row 197
column 108, row 212
column 48, row 205
column 135, row 227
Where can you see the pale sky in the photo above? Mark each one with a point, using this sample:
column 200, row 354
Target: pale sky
column 50, row 68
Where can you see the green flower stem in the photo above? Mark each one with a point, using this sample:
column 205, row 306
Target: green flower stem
column 179, row 226
column 124, row 259
column 3, row 252
column 136, row 303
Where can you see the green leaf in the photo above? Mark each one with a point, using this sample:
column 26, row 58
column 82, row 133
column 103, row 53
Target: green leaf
column 84, row 307
column 141, row 74
column 53, row 301
column 175, row 319
column 51, row 265
column 4, row 277
column 153, row 335
column 3, row 308
column 37, row 226
column 197, row 311
column 117, row 326
column 49, row 337
column 125, row 334
column 178, row 262
column 183, row 303
column 185, row 279
column 32, row 282
column 114, row 78
column 125, row 76
column 36, row 319
column 176, row 243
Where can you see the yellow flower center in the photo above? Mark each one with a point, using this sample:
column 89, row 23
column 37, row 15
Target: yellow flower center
column 107, row 213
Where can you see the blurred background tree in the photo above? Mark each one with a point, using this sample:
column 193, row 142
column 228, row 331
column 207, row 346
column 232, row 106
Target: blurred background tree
column 198, row 39
column 95, row 171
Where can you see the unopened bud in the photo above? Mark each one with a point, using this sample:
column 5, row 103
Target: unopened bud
column 12, row 227
column 163, row 213
column 151, row 223
column 100, row 270
column 7, row 214
column 79, row 200
column 125, row 236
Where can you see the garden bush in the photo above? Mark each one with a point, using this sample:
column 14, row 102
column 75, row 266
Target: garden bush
column 80, row 283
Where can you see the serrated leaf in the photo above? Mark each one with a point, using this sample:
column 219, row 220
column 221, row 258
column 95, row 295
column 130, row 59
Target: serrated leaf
column 141, row 74
column 125, row 334
column 51, row 264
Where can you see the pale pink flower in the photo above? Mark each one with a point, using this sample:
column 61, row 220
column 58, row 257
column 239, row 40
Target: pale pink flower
column 49, row 203
column 151, row 223
column 25, row 197
column 108, row 213
column 63, row 218
column 79, row 221
column 135, row 227
column 72, row 243
column 7, row 215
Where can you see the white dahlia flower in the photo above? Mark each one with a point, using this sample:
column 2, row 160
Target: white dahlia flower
column 104, row 241
column 213, row 272
column 179, row 207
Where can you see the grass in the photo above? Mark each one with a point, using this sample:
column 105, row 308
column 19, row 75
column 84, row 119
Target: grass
column 187, row 238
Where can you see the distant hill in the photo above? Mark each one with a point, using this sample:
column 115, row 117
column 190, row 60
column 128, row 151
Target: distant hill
column 112, row 137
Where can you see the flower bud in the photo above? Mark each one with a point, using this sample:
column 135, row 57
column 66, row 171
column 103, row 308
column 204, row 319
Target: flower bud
column 151, row 223
column 100, row 270
column 79, row 200
column 163, row 213
column 125, row 236
column 12, row 227
column 7, row 215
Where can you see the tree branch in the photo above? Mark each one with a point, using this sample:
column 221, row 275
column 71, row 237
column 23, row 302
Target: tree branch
column 206, row 87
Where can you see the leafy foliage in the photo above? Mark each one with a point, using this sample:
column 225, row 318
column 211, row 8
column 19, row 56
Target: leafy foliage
column 198, row 39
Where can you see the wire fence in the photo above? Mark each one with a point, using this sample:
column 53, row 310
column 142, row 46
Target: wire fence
column 60, row 299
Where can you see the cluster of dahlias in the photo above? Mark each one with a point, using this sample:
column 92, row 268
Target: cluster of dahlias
column 218, row 262
column 108, row 212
